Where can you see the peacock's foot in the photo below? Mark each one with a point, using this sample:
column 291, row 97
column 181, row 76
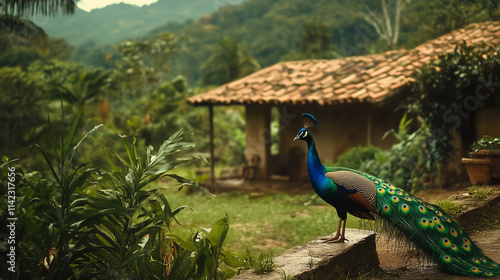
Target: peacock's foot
column 339, row 239
column 336, row 239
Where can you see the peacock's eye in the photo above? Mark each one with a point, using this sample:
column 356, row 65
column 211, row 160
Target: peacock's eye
column 304, row 135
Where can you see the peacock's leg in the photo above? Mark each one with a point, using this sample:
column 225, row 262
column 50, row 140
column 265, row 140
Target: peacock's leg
column 338, row 236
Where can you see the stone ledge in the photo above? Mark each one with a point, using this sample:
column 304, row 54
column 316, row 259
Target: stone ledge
column 475, row 211
column 317, row 259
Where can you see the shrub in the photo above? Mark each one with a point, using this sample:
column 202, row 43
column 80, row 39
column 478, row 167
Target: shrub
column 453, row 79
column 408, row 164
column 108, row 223
column 356, row 156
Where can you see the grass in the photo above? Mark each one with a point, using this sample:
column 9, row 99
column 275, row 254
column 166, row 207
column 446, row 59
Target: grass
column 262, row 261
column 449, row 206
column 480, row 193
column 277, row 221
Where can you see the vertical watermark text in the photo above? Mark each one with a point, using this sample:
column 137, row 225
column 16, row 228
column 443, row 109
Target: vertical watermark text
column 11, row 219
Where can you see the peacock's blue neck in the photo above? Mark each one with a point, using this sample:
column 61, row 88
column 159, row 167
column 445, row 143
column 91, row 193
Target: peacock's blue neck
column 316, row 170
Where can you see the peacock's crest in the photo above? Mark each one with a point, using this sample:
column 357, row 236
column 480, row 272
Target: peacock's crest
column 309, row 120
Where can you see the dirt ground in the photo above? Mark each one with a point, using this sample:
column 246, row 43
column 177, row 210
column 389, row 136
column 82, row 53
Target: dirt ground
column 395, row 261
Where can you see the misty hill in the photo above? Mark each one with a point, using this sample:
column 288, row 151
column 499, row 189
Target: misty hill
column 275, row 30
column 268, row 29
column 123, row 21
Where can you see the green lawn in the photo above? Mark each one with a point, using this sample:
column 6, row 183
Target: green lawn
column 272, row 221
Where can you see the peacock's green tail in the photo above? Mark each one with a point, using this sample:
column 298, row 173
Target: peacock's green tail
column 427, row 226
column 431, row 230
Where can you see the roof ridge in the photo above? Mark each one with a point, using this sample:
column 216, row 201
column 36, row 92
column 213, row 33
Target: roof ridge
column 368, row 78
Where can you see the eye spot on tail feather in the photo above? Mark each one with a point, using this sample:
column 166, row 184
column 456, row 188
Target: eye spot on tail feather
column 440, row 228
column 424, row 222
column 447, row 258
column 474, row 269
column 446, row 242
column 405, row 208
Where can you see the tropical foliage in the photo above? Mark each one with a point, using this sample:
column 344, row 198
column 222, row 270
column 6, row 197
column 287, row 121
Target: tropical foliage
column 20, row 90
column 91, row 211
column 108, row 223
column 405, row 164
column 447, row 93
column 23, row 30
column 273, row 29
column 229, row 62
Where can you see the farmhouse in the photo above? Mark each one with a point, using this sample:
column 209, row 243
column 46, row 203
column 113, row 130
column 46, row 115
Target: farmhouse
column 354, row 99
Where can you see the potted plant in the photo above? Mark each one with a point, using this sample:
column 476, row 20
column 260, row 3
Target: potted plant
column 488, row 148
column 479, row 170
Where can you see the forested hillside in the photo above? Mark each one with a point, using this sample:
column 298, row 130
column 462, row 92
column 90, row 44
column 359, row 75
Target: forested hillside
column 276, row 30
column 232, row 38
column 117, row 22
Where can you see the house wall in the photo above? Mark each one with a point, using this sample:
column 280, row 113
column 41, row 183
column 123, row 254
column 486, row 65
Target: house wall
column 488, row 122
column 258, row 137
column 340, row 128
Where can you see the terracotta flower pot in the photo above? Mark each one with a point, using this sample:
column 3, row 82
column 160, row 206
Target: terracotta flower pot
column 479, row 170
column 494, row 157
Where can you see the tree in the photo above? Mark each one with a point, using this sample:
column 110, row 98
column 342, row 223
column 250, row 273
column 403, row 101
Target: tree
column 315, row 43
column 229, row 62
column 138, row 79
column 59, row 49
column 22, row 32
column 385, row 19
column 315, row 39
column 13, row 55
column 19, row 91
column 71, row 81
column 431, row 19
column 21, row 29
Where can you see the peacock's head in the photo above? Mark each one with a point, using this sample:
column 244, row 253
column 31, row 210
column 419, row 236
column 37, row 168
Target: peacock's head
column 303, row 134
column 309, row 121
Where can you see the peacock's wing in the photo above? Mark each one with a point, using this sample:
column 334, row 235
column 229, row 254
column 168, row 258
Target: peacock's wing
column 361, row 191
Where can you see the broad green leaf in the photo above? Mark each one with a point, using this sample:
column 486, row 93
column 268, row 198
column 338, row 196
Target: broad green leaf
column 187, row 245
column 219, row 231
column 234, row 259
column 182, row 266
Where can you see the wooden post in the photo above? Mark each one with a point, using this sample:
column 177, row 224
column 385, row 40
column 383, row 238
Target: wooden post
column 369, row 126
column 212, row 155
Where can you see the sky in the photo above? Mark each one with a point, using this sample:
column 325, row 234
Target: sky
column 88, row 5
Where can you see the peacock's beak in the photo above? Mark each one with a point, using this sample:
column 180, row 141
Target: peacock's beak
column 296, row 138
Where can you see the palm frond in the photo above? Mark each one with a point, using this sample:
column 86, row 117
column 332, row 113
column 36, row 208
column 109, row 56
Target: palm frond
column 37, row 7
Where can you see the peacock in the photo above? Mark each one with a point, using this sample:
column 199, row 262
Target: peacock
column 425, row 225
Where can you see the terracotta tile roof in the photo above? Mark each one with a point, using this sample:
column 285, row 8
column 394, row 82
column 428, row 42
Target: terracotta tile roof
column 370, row 78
